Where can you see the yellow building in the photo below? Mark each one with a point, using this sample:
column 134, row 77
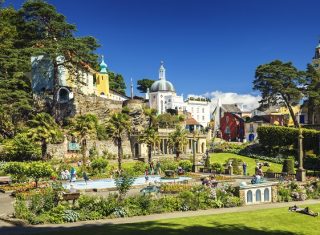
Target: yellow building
column 102, row 80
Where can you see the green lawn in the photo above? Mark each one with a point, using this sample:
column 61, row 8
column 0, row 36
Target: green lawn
column 222, row 157
column 262, row 222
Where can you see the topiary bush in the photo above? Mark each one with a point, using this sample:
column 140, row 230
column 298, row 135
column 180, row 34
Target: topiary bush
column 99, row 164
column 288, row 165
column 186, row 165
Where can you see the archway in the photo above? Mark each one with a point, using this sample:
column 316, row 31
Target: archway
column 249, row 196
column 136, row 150
column 266, row 195
column 202, row 148
column 258, row 195
column 63, row 95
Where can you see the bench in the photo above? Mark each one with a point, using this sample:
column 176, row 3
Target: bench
column 70, row 196
column 5, row 180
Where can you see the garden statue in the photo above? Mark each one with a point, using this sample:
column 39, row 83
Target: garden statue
column 244, row 168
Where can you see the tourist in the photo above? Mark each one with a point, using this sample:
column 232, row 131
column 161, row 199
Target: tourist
column 85, row 177
column 67, row 174
column 158, row 167
column 244, row 168
column 79, row 163
column 146, row 173
column 73, row 173
column 259, row 172
column 180, row 170
column 63, row 175
column 151, row 168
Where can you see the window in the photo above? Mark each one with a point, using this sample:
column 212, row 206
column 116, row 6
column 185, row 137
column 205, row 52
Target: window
column 227, row 119
column 202, row 118
column 202, row 110
column 258, row 195
column 197, row 110
column 249, row 196
column 227, row 130
column 197, row 117
column 266, row 195
column 251, row 128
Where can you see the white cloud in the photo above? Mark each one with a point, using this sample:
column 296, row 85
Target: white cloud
column 248, row 101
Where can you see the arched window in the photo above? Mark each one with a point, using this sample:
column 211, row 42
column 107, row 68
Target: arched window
column 63, row 95
column 266, row 195
column 102, row 93
column 258, row 195
column 249, row 196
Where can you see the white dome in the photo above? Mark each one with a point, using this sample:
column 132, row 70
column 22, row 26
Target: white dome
column 162, row 85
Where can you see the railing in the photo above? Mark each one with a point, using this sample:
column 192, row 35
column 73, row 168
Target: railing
column 280, row 175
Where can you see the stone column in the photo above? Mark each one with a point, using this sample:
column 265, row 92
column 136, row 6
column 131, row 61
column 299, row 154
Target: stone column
column 301, row 173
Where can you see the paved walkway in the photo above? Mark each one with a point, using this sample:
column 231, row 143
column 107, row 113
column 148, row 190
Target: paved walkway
column 30, row 229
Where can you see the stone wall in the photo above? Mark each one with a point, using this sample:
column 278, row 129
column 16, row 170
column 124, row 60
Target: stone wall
column 61, row 150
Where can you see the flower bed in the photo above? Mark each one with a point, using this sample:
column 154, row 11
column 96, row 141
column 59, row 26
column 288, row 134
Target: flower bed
column 44, row 207
column 21, row 187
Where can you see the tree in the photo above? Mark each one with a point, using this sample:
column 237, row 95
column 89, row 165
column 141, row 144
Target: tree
column 123, row 183
column 21, row 148
column 117, row 127
column 45, row 130
column 117, row 83
column 177, row 140
column 46, row 32
column 144, row 84
column 83, row 127
column 15, row 87
column 38, row 170
column 151, row 138
column 279, row 83
column 167, row 120
column 312, row 91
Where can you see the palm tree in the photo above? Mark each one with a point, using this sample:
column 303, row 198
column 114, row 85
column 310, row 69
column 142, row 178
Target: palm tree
column 152, row 116
column 83, row 127
column 44, row 129
column 151, row 138
column 177, row 140
column 117, row 127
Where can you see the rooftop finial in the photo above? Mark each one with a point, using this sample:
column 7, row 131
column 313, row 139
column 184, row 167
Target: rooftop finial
column 103, row 65
column 162, row 71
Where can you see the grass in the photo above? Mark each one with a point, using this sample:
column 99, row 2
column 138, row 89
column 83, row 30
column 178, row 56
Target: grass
column 251, row 163
column 262, row 222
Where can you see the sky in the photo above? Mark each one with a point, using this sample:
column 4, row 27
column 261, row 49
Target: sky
column 209, row 47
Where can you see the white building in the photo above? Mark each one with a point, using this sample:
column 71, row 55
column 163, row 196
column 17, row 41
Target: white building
column 162, row 96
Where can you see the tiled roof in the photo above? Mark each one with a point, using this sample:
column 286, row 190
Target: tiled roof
column 231, row 108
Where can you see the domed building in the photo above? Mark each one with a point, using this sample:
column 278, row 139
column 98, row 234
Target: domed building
column 163, row 97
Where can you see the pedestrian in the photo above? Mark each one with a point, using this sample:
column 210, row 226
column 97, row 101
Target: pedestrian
column 85, row 177
column 244, row 168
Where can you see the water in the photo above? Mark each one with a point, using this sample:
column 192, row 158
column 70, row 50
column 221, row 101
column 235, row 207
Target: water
column 109, row 183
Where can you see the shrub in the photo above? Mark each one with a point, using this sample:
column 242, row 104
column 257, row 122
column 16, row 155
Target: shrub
column 168, row 164
column 139, row 167
column 186, row 165
column 123, row 183
column 288, row 166
column 217, row 167
column 17, row 170
column 99, row 164
column 279, row 136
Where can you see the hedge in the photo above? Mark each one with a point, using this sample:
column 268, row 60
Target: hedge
column 279, row 136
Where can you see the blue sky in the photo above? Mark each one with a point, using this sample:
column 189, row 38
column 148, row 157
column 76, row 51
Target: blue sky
column 207, row 45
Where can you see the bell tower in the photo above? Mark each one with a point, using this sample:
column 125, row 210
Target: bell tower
column 102, row 79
